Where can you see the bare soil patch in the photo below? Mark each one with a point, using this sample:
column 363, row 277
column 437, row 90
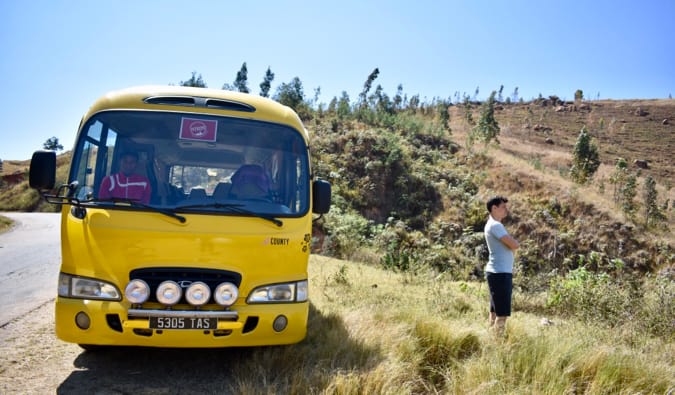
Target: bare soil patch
column 34, row 361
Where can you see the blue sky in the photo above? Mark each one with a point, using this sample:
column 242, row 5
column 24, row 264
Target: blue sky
column 57, row 57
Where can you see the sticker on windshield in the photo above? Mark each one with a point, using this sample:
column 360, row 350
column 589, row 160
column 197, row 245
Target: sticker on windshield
column 198, row 129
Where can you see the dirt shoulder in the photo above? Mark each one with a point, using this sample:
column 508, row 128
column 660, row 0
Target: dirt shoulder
column 33, row 360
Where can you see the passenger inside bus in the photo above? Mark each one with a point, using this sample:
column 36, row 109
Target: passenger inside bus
column 127, row 184
column 250, row 182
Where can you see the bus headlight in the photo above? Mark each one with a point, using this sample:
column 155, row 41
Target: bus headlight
column 284, row 293
column 137, row 291
column 169, row 293
column 226, row 294
column 86, row 288
column 198, row 293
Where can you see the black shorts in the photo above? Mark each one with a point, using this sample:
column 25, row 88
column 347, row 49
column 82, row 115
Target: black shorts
column 501, row 286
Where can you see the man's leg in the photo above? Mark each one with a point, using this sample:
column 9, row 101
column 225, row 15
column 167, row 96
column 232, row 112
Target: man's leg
column 492, row 318
column 500, row 325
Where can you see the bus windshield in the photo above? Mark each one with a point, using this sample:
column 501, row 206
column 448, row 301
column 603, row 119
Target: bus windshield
column 192, row 163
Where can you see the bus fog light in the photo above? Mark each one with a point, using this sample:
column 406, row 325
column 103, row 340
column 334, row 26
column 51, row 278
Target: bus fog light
column 137, row 291
column 169, row 293
column 198, row 293
column 226, row 294
column 280, row 323
column 82, row 320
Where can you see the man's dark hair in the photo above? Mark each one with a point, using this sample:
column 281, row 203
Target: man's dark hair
column 496, row 201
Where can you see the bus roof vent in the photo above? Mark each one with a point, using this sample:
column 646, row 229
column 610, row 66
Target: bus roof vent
column 229, row 105
column 171, row 100
column 219, row 104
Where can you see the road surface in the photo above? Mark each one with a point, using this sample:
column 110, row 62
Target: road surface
column 30, row 256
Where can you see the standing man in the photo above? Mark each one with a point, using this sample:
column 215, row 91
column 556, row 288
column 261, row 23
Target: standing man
column 126, row 184
column 499, row 269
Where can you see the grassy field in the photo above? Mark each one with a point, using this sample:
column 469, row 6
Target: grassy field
column 370, row 331
column 427, row 335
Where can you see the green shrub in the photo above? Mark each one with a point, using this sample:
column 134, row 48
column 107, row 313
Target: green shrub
column 592, row 297
column 347, row 231
column 657, row 306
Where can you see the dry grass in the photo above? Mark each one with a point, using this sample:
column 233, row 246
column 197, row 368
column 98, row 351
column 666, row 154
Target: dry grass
column 370, row 331
column 524, row 152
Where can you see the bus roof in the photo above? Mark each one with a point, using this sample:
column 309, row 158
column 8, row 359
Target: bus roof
column 198, row 100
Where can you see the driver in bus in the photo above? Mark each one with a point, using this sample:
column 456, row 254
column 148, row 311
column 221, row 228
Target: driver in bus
column 126, row 184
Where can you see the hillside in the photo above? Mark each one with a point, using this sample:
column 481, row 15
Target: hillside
column 634, row 130
column 408, row 191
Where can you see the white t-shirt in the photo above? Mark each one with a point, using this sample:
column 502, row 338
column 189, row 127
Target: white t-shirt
column 501, row 257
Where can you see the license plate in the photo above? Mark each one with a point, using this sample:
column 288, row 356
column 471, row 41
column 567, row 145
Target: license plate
column 183, row 323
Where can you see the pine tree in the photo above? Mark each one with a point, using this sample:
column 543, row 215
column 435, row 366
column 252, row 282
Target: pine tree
column 52, row 144
column 241, row 81
column 343, row 107
column 194, row 81
column 653, row 213
column 628, row 193
column 586, row 160
column 291, row 94
column 514, row 95
column 363, row 97
column 487, row 128
column 266, row 85
column 398, row 99
column 443, row 113
column 618, row 178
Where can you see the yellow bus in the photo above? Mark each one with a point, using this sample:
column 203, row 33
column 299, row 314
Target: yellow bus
column 186, row 221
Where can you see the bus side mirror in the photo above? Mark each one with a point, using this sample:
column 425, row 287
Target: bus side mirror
column 321, row 197
column 42, row 173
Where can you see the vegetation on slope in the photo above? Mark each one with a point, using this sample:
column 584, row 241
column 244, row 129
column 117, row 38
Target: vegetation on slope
column 410, row 180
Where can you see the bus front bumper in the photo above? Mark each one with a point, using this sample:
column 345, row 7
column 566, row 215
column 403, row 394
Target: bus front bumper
column 93, row 322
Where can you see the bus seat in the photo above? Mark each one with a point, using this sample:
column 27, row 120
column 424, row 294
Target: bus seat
column 222, row 190
column 197, row 193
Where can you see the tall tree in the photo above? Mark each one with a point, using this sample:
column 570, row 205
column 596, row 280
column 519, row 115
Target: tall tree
column 487, row 128
column 398, row 99
column 241, row 81
column 628, row 193
column 363, row 97
column 195, row 81
column 652, row 210
column 514, row 95
column 52, row 144
column 618, row 178
column 291, row 94
column 266, row 85
column 585, row 160
column 444, row 115
column 343, row 107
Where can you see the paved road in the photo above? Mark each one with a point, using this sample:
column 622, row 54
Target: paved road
column 30, row 256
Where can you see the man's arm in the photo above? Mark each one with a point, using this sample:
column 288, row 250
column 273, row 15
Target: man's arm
column 510, row 242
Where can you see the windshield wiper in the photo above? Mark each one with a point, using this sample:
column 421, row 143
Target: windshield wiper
column 137, row 204
column 235, row 207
